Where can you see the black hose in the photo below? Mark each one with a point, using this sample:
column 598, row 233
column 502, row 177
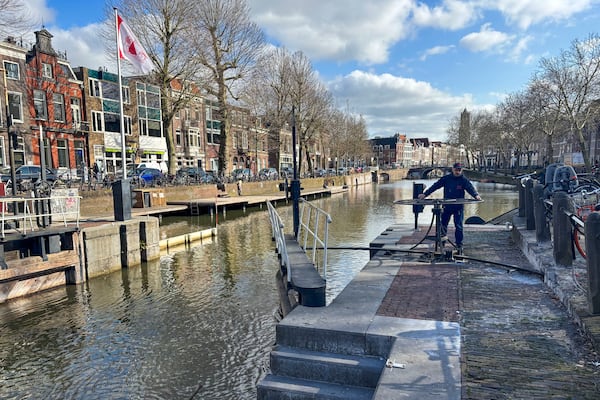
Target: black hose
column 456, row 256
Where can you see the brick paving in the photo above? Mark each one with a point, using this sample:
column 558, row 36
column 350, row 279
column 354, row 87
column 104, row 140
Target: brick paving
column 518, row 341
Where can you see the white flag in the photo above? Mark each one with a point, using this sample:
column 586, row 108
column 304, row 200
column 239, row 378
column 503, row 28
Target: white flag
column 131, row 49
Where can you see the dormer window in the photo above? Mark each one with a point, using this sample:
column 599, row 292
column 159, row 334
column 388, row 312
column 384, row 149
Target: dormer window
column 12, row 70
column 47, row 70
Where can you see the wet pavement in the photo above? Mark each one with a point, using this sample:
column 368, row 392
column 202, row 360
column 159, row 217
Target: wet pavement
column 519, row 340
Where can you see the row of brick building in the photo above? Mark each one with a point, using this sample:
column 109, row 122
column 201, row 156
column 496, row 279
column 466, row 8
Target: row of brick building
column 72, row 115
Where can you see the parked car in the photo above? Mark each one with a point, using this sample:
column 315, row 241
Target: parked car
column 151, row 177
column 287, row 172
column 244, row 174
column 268, row 173
column 194, row 173
column 319, row 172
column 29, row 172
column 161, row 166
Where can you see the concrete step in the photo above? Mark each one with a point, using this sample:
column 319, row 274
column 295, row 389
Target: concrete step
column 274, row 387
column 352, row 342
column 328, row 367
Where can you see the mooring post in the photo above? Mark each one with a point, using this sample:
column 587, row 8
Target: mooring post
column 529, row 216
column 563, row 248
column 542, row 230
column 521, row 200
column 592, row 249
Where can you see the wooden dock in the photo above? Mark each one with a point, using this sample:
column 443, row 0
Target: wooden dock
column 201, row 206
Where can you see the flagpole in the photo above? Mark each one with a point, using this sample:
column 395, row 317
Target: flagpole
column 123, row 154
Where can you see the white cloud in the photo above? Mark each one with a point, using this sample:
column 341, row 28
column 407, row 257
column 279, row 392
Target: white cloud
column 451, row 15
column 393, row 104
column 525, row 13
column 40, row 12
column 484, row 40
column 84, row 46
column 355, row 30
column 435, row 51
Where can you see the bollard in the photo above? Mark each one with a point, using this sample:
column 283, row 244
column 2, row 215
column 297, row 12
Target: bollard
column 563, row 247
column 529, row 217
column 592, row 249
column 542, row 229
column 521, row 200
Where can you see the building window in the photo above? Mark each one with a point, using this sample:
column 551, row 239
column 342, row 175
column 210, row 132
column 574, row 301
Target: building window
column 15, row 106
column 213, row 137
column 97, row 121
column 126, row 96
column 154, row 128
column 178, row 137
column 2, row 153
column 110, row 90
column 12, row 70
column 47, row 70
column 94, row 87
column 143, row 127
column 76, row 112
column 141, row 98
column 112, row 122
column 59, row 107
column 127, row 122
column 39, row 104
column 63, row 152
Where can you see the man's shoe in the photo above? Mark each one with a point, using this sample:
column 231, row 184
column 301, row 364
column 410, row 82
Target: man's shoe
column 444, row 238
column 459, row 251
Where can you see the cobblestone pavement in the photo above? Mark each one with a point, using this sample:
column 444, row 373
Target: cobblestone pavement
column 518, row 340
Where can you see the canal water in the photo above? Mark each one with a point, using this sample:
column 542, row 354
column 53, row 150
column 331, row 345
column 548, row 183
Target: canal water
column 198, row 323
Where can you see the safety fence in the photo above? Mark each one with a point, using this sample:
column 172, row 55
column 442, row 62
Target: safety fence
column 313, row 234
column 26, row 214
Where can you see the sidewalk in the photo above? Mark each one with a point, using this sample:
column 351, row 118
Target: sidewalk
column 518, row 338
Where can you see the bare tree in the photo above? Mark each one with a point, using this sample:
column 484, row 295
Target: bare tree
column 15, row 18
column 573, row 78
column 289, row 82
column 163, row 27
column 225, row 44
column 268, row 91
column 546, row 110
column 518, row 121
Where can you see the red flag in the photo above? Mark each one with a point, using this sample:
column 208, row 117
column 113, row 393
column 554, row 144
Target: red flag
column 130, row 48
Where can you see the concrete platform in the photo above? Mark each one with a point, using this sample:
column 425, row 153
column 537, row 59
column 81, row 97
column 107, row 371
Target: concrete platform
column 446, row 330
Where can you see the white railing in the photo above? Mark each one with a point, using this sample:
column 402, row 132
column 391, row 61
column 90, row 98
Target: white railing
column 279, row 237
column 314, row 226
column 18, row 213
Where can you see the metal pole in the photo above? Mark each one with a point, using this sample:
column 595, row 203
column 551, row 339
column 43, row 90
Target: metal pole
column 295, row 187
column 592, row 241
column 122, row 119
column 11, row 157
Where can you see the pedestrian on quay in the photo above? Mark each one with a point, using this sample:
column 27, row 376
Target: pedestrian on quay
column 239, row 187
column 455, row 185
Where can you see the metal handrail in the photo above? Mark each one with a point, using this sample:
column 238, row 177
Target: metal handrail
column 309, row 226
column 63, row 208
column 279, row 237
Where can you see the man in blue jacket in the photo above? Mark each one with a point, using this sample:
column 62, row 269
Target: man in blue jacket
column 455, row 185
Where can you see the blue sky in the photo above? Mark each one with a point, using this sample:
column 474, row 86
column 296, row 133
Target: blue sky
column 406, row 66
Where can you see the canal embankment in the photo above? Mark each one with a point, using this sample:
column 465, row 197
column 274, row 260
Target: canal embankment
column 98, row 244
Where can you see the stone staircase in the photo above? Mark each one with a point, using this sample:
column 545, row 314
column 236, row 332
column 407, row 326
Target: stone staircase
column 321, row 364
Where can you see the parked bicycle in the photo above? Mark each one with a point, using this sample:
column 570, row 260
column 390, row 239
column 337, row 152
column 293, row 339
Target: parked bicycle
column 584, row 204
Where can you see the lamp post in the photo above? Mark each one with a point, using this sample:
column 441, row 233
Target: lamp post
column 11, row 158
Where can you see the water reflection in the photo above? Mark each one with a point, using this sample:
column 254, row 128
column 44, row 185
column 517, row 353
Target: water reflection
column 200, row 317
